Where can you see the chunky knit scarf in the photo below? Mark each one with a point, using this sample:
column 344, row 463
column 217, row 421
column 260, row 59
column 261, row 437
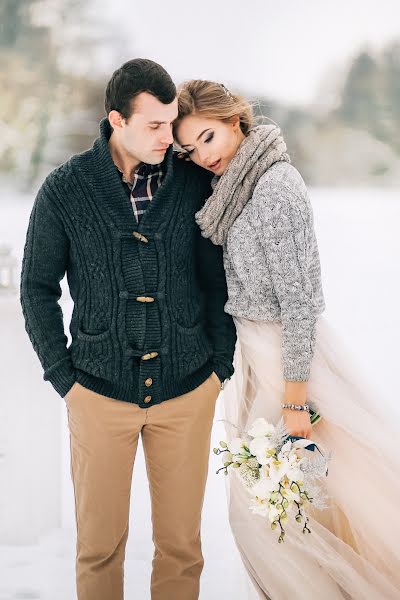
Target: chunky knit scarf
column 262, row 147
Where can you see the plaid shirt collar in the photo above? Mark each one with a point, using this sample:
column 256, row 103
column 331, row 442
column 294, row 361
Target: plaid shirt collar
column 146, row 181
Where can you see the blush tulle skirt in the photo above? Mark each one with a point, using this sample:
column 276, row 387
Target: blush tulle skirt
column 353, row 551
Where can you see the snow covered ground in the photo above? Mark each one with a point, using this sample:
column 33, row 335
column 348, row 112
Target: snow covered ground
column 358, row 234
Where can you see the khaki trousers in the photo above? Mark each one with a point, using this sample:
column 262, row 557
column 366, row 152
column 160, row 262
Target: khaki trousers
column 176, row 440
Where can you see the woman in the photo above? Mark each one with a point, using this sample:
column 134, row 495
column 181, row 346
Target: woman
column 288, row 356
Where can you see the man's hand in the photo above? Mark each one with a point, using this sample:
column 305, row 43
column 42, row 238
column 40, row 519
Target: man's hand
column 71, row 391
column 216, row 379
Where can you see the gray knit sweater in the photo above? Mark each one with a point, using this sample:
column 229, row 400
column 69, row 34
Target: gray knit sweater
column 272, row 265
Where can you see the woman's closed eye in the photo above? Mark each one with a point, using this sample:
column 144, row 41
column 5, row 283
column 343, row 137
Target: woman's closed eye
column 208, row 139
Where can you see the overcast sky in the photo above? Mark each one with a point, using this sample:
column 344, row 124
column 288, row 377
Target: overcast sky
column 280, row 49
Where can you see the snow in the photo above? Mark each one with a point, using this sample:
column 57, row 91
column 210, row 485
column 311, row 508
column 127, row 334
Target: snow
column 359, row 244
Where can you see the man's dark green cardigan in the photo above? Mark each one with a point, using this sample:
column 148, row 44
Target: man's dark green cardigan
column 148, row 321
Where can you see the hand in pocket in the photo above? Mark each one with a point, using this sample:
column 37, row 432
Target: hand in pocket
column 70, row 392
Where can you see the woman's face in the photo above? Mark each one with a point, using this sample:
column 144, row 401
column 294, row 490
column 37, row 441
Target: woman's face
column 210, row 143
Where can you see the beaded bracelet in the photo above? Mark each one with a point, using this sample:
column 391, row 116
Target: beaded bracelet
column 297, row 407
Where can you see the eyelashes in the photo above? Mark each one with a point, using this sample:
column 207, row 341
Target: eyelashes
column 206, row 141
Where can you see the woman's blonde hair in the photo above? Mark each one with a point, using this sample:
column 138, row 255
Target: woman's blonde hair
column 213, row 100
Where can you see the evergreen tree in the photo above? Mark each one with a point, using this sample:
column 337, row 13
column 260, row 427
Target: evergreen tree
column 360, row 95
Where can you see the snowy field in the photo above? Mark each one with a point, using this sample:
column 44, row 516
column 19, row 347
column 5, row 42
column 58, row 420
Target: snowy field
column 359, row 240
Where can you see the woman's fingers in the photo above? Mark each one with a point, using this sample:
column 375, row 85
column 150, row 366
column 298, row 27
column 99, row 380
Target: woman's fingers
column 297, row 423
column 184, row 156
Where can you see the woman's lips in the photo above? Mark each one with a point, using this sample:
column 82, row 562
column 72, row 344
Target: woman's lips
column 214, row 165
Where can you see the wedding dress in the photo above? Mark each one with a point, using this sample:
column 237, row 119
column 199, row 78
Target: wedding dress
column 353, row 550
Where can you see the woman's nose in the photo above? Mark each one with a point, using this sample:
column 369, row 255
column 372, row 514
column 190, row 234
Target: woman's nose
column 203, row 155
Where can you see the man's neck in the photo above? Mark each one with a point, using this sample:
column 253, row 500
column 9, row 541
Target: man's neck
column 125, row 162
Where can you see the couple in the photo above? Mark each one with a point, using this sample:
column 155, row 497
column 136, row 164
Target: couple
column 165, row 263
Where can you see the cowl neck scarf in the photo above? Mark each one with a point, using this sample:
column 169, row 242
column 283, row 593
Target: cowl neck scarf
column 262, row 147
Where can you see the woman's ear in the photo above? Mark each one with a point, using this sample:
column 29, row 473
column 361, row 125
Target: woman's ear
column 235, row 123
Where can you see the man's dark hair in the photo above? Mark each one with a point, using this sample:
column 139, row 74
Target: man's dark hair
column 134, row 77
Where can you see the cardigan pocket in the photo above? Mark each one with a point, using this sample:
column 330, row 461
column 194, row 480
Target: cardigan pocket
column 193, row 349
column 93, row 353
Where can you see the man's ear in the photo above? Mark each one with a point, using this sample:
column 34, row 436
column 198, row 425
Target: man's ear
column 117, row 121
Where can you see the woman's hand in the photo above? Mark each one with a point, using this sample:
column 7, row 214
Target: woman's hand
column 183, row 156
column 297, row 422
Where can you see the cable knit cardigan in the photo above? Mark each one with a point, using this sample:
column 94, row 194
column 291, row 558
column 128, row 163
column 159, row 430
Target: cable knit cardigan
column 272, row 265
column 148, row 321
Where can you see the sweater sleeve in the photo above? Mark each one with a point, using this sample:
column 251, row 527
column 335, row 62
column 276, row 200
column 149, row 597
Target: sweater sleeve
column 43, row 267
column 219, row 324
column 285, row 228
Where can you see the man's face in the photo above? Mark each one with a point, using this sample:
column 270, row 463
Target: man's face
column 147, row 133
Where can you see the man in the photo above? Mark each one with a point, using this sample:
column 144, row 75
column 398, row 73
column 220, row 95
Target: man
column 151, row 343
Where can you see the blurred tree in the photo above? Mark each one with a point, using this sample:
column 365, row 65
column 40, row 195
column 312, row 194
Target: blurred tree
column 391, row 70
column 14, row 20
column 360, row 98
column 51, row 74
column 55, row 58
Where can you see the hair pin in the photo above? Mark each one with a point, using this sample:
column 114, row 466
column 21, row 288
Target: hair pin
column 227, row 92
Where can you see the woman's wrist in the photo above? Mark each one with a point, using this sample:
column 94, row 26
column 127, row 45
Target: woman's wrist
column 293, row 406
column 295, row 392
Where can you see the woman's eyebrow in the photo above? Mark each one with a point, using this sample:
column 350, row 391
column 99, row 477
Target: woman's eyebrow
column 198, row 137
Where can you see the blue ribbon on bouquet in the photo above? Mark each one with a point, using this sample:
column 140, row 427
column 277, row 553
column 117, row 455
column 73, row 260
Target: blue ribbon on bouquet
column 311, row 446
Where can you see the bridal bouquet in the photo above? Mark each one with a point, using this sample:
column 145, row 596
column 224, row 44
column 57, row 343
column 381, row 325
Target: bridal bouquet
column 278, row 474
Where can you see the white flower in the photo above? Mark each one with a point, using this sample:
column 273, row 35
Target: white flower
column 261, row 427
column 273, row 514
column 235, row 445
column 226, row 457
column 260, row 446
column 290, row 495
column 277, row 469
column 263, row 488
column 294, row 474
column 294, row 458
column 286, row 448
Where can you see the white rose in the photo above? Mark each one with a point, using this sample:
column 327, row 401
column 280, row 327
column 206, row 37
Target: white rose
column 261, row 427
